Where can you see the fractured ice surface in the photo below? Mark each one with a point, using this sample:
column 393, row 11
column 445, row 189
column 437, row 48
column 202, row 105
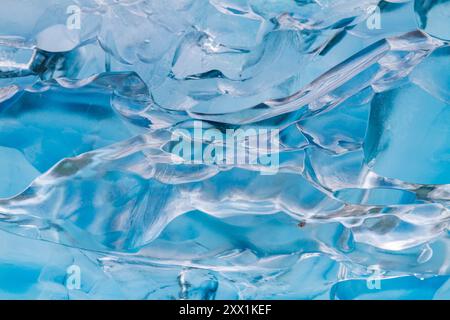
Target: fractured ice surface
column 434, row 17
column 89, row 119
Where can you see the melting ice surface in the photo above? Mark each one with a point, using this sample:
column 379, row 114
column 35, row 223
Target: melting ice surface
column 91, row 93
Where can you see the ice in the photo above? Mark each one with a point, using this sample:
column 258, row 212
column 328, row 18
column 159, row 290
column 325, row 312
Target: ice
column 355, row 207
column 433, row 17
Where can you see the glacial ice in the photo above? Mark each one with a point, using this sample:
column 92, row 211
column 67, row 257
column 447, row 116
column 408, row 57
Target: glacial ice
column 88, row 127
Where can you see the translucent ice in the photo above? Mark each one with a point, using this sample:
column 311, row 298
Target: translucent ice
column 434, row 17
column 95, row 97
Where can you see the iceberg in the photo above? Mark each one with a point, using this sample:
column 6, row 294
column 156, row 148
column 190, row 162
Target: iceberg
column 334, row 184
